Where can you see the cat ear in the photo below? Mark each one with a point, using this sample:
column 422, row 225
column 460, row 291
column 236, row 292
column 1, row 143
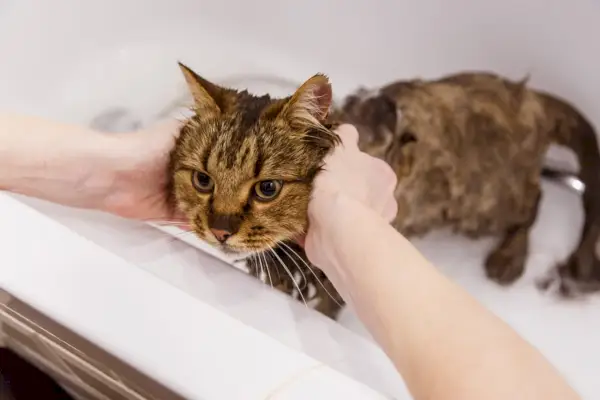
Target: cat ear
column 208, row 97
column 309, row 105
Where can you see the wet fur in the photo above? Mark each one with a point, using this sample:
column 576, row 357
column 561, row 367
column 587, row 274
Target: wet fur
column 468, row 150
column 239, row 139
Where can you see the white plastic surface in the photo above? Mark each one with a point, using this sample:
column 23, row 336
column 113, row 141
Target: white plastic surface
column 188, row 345
column 72, row 60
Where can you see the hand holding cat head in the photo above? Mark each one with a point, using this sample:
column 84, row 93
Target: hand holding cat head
column 351, row 173
column 243, row 167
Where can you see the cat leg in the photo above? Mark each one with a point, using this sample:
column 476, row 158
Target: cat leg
column 328, row 307
column 506, row 263
column 581, row 273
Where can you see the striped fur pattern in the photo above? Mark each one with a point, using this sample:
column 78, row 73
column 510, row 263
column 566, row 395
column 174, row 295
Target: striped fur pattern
column 237, row 141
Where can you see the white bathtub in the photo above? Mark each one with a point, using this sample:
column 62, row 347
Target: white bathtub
column 127, row 286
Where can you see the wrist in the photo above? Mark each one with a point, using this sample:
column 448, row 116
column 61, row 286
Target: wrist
column 108, row 158
column 333, row 221
column 112, row 172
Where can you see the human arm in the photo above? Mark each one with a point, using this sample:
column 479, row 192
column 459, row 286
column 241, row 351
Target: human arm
column 443, row 342
column 124, row 174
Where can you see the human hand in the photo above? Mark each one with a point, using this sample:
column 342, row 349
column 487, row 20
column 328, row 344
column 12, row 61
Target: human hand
column 139, row 189
column 121, row 173
column 352, row 174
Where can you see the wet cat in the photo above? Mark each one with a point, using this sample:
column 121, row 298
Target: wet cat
column 242, row 172
column 468, row 150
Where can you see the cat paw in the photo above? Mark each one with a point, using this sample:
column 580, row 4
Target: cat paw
column 567, row 288
column 564, row 280
column 504, row 268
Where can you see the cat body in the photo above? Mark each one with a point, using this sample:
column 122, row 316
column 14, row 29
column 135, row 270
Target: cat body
column 468, row 150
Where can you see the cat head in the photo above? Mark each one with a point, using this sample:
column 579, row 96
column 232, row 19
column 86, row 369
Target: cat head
column 243, row 166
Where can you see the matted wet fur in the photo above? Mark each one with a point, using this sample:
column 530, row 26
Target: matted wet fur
column 468, row 150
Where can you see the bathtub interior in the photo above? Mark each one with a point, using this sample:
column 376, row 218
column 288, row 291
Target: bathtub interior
column 76, row 62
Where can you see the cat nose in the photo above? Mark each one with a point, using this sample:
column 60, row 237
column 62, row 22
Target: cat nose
column 224, row 226
column 221, row 235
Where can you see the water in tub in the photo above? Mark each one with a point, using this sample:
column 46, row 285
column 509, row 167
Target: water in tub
column 131, row 87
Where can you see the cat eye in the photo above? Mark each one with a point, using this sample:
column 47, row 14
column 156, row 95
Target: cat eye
column 267, row 190
column 202, row 182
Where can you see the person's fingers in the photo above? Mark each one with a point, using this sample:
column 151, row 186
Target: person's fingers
column 391, row 210
column 181, row 220
column 348, row 134
column 311, row 246
column 358, row 175
column 382, row 180
column 382, row 170
column 301, row 240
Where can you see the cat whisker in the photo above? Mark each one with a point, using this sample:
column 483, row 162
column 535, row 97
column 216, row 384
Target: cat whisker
column 315, row 138
column 311, row 271
column 291, row 276
column 309, row 136
column 238, row 260
column 263, row 273
column 305, row 280
column 266, row 268
column 166, row 222
column 253, row 261
column 256, row 266
column 184, row 233
column 271, row 258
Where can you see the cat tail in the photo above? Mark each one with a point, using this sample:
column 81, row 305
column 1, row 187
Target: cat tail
column 573, row 130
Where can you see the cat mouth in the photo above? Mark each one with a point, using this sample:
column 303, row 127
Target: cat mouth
column 235, row 247
column 236, row 254
column 230, row 249
column 238, row 250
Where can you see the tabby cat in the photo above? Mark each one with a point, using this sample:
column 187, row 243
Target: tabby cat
column 468, row 150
